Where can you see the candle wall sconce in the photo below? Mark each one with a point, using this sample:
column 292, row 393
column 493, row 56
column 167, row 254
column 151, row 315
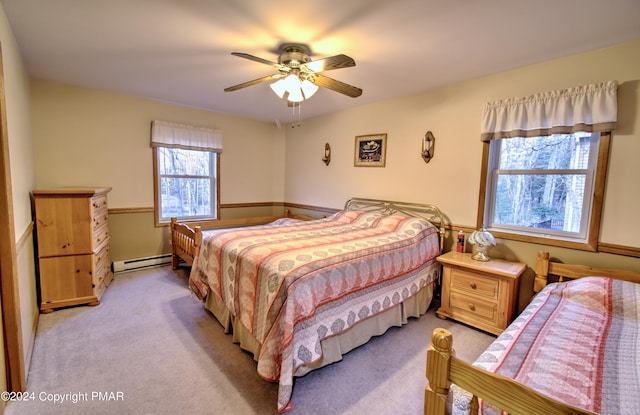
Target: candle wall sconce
column 428, row 146
column 327, row 154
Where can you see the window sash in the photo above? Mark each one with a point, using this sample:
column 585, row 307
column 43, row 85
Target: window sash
column 213, row 189
column 585, row 233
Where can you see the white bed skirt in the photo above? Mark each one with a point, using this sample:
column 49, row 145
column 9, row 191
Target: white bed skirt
column 333, row 348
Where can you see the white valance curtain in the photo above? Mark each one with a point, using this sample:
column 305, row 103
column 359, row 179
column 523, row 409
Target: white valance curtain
column 589, row 108
column 185, row 136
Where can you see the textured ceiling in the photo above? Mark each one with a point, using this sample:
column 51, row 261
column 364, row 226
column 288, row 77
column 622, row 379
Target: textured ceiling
column 179, row 51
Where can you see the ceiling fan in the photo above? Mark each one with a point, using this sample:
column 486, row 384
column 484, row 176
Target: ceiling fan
column 294, row 60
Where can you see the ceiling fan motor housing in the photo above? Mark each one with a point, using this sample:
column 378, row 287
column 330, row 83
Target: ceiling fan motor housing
column 293, row 55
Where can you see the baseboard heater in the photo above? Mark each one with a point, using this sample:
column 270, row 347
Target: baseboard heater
column 139, row 263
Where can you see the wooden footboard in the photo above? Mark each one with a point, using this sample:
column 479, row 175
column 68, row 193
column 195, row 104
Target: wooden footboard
column 184, row 242
column 185, row 238
column 443, row 369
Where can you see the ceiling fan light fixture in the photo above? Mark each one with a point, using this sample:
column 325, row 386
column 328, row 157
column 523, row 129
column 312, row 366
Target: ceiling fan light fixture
column 295, row 95
column 295, row 89
column 279, row 87
column 308, row 88
column 293, row 82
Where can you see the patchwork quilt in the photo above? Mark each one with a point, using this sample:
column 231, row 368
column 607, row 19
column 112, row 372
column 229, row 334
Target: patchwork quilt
column 577, row 342
column 297, row 283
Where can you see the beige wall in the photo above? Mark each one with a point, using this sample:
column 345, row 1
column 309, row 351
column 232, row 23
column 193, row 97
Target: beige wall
column 85, row 137
column 452, row 179
column 16, row 91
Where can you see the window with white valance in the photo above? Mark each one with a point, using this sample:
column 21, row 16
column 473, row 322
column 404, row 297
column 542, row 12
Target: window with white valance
column 188, row 137
column 186, row 171
column 589, row 108
column 546, row 158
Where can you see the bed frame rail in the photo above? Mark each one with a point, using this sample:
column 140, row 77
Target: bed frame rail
column 545, row 268
column 512, row 397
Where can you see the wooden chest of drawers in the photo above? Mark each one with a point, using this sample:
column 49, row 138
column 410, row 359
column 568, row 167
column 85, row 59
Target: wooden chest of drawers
column 481, row 294
column 72, row 232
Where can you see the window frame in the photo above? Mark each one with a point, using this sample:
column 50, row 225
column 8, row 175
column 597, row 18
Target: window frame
column 595, row 216
column 159, row 221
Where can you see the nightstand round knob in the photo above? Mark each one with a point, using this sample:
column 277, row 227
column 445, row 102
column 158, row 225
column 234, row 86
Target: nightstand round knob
column 473, row 285
column 472, row 307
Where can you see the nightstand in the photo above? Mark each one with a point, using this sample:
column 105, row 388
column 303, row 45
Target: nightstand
column 480, row 294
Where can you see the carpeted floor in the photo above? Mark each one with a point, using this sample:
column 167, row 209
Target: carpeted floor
column 152, row 348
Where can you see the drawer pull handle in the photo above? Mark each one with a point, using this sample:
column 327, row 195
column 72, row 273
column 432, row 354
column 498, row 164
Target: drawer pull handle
column 473, row 285
column 472, row 307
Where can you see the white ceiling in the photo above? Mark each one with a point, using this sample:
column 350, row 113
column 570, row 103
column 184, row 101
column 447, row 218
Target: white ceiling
column 178, row 51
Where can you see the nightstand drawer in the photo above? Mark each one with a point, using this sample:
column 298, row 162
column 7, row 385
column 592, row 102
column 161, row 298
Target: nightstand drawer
column 479, row 285
column 465, row 305
column 482, row 294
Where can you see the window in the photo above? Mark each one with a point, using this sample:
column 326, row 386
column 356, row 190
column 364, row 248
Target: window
column 542, row 186
column 186, row 163
column 544, row 165
column 187, row 184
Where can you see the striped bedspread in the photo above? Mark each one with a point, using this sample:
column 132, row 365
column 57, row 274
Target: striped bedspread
column 295, row 284
column 577, row 342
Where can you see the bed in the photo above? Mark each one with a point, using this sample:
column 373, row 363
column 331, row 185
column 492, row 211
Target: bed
column 300, row 294
column 187, row 237
column 575, row 349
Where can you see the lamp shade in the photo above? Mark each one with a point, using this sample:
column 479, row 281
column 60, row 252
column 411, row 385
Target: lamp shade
column 482, row 238
column 308, row 88
column 296, row 90
column 279, row 87
column 295, row 95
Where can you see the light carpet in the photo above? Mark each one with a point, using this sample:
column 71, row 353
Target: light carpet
column 151, row 348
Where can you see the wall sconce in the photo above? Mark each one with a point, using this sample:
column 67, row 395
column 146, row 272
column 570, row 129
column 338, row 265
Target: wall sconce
column 327, row 154
column 428, row 146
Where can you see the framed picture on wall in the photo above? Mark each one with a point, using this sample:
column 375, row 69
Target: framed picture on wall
column 371, row 150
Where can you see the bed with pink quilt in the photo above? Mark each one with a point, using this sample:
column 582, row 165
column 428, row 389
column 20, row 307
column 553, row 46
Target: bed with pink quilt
column 577, row 345
column 299, row 294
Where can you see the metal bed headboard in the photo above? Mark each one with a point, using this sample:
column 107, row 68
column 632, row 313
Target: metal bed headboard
column 419, row 210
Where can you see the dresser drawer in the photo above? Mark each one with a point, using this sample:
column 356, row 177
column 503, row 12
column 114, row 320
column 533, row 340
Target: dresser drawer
column 476, row 284
column 99, row 211
column 77, row 272
column 463, row 305
column 102, row 266
column 101, row 237
column 99, row 203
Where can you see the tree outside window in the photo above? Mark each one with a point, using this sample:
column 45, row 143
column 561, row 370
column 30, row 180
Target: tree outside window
column 186, row 184
column 543, row 187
